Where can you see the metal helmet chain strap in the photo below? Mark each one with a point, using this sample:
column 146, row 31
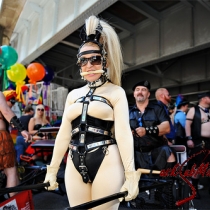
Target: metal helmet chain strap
column 94, row 38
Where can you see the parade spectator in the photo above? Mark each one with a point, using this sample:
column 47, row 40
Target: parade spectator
column 149, row 122
column 93, row 113
column 7, row 149
column 38, row 121
column 21, row 145
column 180, row 120
column 163, row 97
column 198, row 133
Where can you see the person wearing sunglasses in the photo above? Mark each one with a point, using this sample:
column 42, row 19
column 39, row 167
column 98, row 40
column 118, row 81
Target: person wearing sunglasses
column 7, row 149
column 95, row 125
column 38, row 121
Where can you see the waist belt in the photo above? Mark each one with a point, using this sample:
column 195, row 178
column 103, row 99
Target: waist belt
column 94, row 145
column 92, row 130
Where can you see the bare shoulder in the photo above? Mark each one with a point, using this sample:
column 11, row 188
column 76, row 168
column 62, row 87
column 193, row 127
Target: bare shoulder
column 32, row 119
column 190, row 113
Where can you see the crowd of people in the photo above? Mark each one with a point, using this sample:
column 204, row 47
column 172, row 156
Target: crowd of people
column 10, row 153
column 104, row 145
column 96, row 147
column 188, row 127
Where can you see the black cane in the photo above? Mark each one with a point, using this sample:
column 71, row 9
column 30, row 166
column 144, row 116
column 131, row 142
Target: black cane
column 99, row 201
column 22, row 188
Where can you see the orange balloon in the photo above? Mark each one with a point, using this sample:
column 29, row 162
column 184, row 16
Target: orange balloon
column 35, row 72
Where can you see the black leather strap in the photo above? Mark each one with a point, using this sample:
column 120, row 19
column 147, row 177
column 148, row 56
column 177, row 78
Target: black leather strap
column 15, row 123
column 83, row 168
column 82, row 134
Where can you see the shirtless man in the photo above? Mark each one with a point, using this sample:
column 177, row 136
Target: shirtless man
column 7, row 150
column 198, row 132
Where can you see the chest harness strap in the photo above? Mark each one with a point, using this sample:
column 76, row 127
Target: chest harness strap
column 82, row 133
column 95, row 98
column 207, row 115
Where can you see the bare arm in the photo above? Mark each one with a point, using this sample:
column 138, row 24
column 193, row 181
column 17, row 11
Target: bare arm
column 189, row 118
column 164, row 128
column 9, row 116
column 31, row 125
column 5, row 109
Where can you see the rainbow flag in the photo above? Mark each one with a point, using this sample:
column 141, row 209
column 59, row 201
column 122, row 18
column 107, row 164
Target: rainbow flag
column 13, row 134
column 40, row 100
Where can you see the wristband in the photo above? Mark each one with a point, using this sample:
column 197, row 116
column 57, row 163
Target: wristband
column 152, row 130
column 189, row 138
column 15, row 123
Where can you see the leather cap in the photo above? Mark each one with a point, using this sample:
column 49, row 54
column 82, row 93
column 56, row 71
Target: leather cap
column 144, row 83
column 202, row 95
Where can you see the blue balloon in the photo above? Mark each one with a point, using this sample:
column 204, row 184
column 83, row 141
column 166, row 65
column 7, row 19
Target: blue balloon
column 49, row 75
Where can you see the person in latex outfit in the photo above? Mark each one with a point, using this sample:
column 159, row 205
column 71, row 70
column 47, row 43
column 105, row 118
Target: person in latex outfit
column 95, row 125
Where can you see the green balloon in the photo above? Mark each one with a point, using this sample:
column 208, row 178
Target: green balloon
column 8, row 56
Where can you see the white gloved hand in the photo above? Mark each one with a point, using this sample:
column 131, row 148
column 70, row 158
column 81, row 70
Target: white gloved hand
column 131, row 185
column 51, row 177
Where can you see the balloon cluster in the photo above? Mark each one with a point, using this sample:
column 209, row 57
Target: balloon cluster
column 17, row 72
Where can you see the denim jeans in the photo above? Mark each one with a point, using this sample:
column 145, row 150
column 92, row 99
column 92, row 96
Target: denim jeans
column 20, row 147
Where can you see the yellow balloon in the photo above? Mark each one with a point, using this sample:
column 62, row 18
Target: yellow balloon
column 16, row 73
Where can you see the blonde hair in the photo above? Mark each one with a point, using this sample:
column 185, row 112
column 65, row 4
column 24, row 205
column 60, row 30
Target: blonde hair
column 111, row 45
column 43, row 116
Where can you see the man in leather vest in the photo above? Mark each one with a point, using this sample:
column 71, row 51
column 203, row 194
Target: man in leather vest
column 198, row 133
column 149, row 122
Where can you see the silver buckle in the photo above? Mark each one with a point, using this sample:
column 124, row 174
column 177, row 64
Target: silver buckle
column 98, row 144
column 92, row 129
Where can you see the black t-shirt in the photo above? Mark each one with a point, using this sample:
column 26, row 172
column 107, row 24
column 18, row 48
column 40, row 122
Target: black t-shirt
column 25, row 120
column 153, row 115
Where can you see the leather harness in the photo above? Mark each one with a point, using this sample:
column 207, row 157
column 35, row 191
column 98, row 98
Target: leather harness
column 82, row 148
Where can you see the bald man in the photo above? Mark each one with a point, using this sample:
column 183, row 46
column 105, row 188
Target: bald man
column 163, row 98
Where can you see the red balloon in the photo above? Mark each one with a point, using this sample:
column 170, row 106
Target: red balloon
column 35, row 72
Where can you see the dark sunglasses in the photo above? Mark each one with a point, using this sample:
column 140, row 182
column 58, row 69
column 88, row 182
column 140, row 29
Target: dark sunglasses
column 12, row 101
column 40, row 109
column 94, row 60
